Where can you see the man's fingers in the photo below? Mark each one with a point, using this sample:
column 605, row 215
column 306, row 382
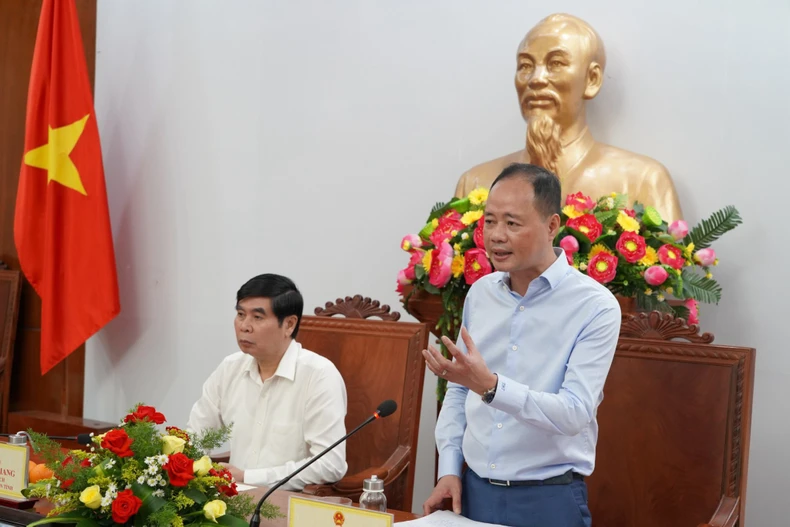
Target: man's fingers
column 455, row 493
column 467, row 338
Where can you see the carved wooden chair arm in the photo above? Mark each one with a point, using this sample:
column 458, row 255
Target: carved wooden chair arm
column 387, row 472
column 726, row 514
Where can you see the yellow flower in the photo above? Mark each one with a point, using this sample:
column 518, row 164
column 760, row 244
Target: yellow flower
column 650, row 257
column 598, row 248
column 214, row 509
column 627, row 222
column 613, row 194
column 426, row 261
column 478, row 196
column 583, row 266
column 648, row 291
column 457, row 248
column 472, row 216
column 435, row 223
column 660, row 297
column 172, row 445
column 669, row 290
column 457, row 266
column 689, row 250
column 708, row 275
column 91, row 497
column 202, row 466
column 716, row 261
column 570, row 211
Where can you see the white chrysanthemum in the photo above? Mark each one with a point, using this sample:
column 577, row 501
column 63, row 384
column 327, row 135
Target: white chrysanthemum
column 151, row 482
column 111, row 488
column 162, row 483
column 106, row 501
column 162, row 459
column 150, row 460
column 152, row 470
column 141, row 480
column 109, row 464
column 159, row 493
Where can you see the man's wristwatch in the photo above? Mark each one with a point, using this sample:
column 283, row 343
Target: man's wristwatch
column 489, row 394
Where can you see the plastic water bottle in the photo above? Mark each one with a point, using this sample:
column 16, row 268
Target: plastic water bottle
column 373, row 497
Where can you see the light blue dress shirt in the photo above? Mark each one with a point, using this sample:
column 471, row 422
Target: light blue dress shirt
column 552, row 350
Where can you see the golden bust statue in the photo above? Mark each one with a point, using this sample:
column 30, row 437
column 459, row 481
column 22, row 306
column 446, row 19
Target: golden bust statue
column 560, row 65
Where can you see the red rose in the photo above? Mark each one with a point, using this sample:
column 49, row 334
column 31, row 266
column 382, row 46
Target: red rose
column 672, row 256
column 145, row 413
column 85, row 463
column 631, row 246
column 476, row 265
column 117, row 442
column 179, row 469
column 586, row 224
column 125, row 505
column 478, row 235
column 227, row 490
column 602, row 267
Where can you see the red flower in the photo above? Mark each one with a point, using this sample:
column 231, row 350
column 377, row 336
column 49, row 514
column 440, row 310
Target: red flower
column 630, row 212
column 449, row 223
column 175, row 431
column 125, row 505
column 631, row 246
column 85, row 463
column 580, row 202
column 179, row 469
column 602, row 267
column 672, row 256
column 145, row 413
column 476, row 265
column 478, row 234
column 66, row 484
column 586, row 224
column 117, row 442
column 227, row 490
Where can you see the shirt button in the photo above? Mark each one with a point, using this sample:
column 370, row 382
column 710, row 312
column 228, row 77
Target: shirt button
column 493, row 465
column 499, row 425
column 515, row 348
column 521, row 308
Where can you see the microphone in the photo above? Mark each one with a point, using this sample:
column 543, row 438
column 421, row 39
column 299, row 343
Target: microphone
column 385, row 409
column 83, row 439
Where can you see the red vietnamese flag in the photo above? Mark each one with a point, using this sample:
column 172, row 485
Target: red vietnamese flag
column 62, row 223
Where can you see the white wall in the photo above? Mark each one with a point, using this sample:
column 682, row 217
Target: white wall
column 307, row 137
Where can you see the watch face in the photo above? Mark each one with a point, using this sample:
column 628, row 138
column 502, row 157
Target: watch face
column 488, row 397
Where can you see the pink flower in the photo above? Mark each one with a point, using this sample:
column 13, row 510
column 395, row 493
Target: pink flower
column 580, row 202
column 705, row 257
column 570, row 244
column 656, row 275
column 678, row 229
column 410, row 241
column 441, row 266
column 403, row 278
column 671, row 256
column 693, row 308
column 476, row 265
column 603, row 267
column 478, row 237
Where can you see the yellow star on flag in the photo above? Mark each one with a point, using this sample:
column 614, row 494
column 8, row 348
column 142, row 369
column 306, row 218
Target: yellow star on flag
column 54, row 156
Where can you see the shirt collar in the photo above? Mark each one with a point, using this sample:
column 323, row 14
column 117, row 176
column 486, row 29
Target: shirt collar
column 553, row 274
column 287, row 367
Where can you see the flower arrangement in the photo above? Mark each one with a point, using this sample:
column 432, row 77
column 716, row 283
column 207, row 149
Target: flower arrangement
column 137, row 474
column 446, row 258
column 634, row 252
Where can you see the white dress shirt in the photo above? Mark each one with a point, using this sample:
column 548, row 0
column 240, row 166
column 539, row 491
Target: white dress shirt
column 280, row 423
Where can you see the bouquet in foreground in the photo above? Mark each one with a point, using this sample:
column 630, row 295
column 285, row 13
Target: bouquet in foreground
column 137, row 474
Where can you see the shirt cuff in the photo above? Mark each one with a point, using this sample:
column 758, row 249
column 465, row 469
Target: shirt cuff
column 510, row 396
column 450, row 463
column 256, row 476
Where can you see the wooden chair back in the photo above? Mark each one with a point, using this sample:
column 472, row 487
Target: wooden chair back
column 674, row 428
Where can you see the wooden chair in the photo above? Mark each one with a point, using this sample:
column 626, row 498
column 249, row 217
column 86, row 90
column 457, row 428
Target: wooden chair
column 378, row 360
column 674, row 429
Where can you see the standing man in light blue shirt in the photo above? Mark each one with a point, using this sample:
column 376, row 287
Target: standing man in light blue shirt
column 537, row 340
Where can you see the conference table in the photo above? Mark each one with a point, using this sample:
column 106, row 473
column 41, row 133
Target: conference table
column 17, row 517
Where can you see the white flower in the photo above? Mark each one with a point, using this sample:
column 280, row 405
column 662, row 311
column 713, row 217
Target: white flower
column 106, row 501
column 150, row 460
column 159, row 493
column 109, row 464
column 127, row 487
column 152, row 470
column 162, row 483
column 141, row 480
column 111, row 488
column 162, row 459
column 151, row 482
column 465, row 236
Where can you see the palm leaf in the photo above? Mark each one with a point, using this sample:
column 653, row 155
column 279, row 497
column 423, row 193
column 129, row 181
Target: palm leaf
column 700, row 288
column 651, row 303
column 681, row 312
column 606, row 217
column 438, row 209
column 709, row 230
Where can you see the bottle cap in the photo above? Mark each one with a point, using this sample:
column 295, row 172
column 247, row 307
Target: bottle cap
column 18, row 439
column 373, row 484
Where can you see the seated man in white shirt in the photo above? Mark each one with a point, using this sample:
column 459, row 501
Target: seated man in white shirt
column 286, row 403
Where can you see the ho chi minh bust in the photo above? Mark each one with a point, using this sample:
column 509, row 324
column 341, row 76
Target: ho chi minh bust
column 560, row 66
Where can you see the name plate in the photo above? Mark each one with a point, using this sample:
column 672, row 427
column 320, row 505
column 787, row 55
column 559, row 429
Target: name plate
column 13, row 470
column 306, row 512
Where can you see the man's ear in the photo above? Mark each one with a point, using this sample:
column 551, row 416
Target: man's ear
column 554, row 226
column 594, row 80
column 289, row 324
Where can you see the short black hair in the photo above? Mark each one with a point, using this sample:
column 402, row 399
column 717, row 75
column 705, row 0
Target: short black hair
column 548, row 194
column 283, row 293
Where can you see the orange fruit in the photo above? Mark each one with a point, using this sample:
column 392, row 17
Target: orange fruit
column 40, row 472
column 30, row 466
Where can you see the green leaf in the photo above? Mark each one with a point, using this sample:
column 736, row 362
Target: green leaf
column 232, row 521
column 681, row 312
column 711, row 229
column 651, row 303
column 150, row 504
column 67, row 517
column 419, row 272
column 431, row 288
column 607, row 217
column 584, row 242
column 700, row 288
column 196, row 496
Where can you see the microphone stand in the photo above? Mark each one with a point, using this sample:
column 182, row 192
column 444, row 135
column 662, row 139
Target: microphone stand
column 255, row 521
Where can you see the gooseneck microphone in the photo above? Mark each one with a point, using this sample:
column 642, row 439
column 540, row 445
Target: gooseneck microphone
column 83, row 439
column 385, row 409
